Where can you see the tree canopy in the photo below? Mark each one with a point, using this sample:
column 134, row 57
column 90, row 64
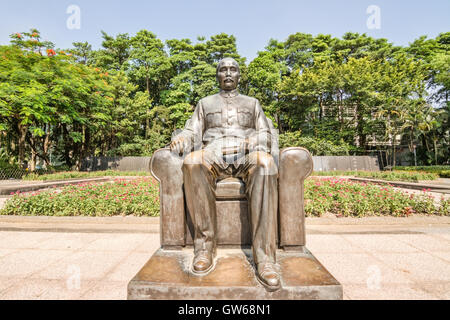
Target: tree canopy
column 349, row 95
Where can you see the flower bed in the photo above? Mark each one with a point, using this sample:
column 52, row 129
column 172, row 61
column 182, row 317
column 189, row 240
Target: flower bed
column 346, row 198
column 410, row 176
column 139, row 197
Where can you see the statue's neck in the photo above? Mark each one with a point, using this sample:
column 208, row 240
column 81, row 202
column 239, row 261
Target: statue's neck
column 229, row 93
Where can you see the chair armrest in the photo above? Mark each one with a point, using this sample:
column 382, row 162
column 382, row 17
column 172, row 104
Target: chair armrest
column 167, row 169
column 296, row 165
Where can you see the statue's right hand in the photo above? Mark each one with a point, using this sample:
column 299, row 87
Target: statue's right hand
column 177, row 145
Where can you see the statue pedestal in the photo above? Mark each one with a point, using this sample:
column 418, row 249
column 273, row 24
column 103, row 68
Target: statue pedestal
column 167, row 276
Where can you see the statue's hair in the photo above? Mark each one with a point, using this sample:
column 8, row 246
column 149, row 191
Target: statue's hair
column 228, row 58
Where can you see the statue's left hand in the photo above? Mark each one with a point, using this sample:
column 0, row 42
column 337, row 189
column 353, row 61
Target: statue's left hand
column 177, row 145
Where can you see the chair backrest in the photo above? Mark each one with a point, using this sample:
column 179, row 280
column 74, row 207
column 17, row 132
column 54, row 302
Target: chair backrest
column 274, row 150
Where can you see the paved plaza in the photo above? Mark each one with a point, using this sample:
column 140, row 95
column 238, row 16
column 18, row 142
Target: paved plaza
column 94, row 258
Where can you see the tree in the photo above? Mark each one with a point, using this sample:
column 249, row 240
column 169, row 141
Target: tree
column 82, row 52
column 115, row 52
column 351, row 94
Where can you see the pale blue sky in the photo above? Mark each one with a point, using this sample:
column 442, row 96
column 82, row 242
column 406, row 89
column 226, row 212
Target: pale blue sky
column 252, row 22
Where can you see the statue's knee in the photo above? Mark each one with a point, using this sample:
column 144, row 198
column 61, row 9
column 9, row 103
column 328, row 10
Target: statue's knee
column 266, row 162
column 194, row 159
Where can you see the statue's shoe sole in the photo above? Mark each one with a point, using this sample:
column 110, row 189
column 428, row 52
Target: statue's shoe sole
column 268, row 287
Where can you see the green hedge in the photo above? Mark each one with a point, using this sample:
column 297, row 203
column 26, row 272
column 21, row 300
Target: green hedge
column 442, row 171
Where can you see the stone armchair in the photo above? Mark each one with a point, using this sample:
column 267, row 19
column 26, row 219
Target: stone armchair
column 233, row 228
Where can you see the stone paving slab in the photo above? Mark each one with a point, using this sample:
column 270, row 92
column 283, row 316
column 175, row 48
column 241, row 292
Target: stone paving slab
column 410, row 260
column 114, row 224
column 138, row 224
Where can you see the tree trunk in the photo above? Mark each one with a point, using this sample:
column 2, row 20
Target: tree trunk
column 320, row 109
column 33, row 160
column 393, row 154
column 147, row 82
column 46, row 148
column 360, row 126
column 67, row 146
column 82, row 149
column 435, row 151
column 22, row 136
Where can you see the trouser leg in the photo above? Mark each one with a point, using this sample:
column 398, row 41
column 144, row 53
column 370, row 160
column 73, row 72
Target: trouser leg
column 262, row 191
column 199, row 185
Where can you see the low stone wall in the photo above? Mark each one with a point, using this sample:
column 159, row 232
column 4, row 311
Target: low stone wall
column 321, row 163
column 116, row 163
column 346, row 163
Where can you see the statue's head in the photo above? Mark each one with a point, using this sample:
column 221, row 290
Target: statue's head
column 228, row 74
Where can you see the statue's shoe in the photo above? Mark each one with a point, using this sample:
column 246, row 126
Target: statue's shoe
column 203, row 262
column 268, row 276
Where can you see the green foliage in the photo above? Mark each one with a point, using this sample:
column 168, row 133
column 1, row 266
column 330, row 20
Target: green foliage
column 444, row 174
column 5, row 162
column 345, row 198
column 442, row 171
column 345, row 95
column 317, row 146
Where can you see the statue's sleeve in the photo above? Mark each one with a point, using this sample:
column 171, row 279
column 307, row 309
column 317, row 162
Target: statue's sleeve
column 193, row 130
column 262, row 138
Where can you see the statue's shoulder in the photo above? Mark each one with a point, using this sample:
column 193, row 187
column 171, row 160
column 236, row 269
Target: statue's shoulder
column 247, row 99
column 209, row 99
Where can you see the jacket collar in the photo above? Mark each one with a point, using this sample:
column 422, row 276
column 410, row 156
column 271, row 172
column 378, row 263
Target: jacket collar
column 229, row 94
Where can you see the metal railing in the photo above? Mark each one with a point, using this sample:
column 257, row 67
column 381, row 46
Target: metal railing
column 17, row 174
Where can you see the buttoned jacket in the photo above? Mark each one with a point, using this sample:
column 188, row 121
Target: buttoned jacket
column 227, row 119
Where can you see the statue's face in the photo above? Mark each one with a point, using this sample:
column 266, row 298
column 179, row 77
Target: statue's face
column 228, row 74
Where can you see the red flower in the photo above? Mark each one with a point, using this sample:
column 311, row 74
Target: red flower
column 51, row 52
column 19, row 35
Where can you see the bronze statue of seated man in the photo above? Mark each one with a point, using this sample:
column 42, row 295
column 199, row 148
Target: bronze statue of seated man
column 229, row 136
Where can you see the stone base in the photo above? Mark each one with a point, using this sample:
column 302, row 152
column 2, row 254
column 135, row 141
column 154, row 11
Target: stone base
column 167, row 276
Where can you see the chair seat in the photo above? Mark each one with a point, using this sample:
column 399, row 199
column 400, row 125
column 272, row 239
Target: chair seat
column 230, row 188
